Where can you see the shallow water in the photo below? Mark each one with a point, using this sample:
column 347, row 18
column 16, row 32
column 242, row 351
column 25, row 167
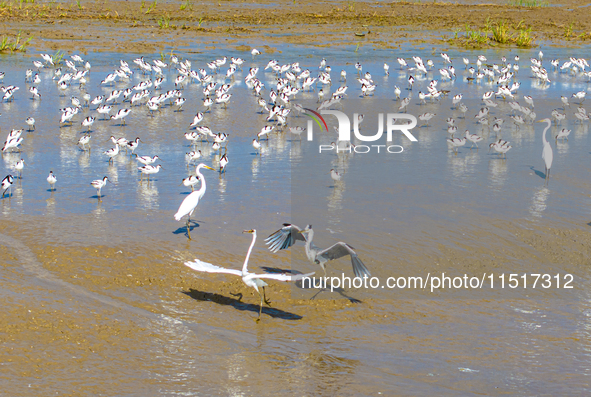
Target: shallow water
column 425, row 210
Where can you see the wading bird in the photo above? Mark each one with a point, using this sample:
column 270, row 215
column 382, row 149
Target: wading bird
column 192, row 200
column 547, row 154
column 98, row 184
column 250, row 279
column 289, row 234
column 51, row 179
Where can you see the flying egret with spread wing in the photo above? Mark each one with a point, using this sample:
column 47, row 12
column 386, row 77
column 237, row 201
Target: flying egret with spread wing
column 250, row 279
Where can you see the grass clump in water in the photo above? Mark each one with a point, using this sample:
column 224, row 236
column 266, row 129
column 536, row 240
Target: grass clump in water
column 495, row 33
column 164, row 23
column 187, row 5
column 528, row 3
column 6, row 44
column 501, row 33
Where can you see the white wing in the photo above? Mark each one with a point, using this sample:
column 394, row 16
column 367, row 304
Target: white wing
column 201, row 266
column 280, row 277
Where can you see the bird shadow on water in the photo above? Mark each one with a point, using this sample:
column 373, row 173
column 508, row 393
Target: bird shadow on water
column 183, row 229
column 239, row 305
column 300, row 285
column 538, row 173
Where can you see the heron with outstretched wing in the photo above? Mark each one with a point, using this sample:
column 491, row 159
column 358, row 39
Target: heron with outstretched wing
column 289, row 234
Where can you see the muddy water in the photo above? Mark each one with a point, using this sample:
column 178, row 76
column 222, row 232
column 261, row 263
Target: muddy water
column 97, row 301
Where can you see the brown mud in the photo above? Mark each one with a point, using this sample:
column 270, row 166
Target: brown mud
column 51, row 330
column 133, row 26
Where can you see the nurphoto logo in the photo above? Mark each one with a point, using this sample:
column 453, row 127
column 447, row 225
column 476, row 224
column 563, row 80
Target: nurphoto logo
column 393, row 123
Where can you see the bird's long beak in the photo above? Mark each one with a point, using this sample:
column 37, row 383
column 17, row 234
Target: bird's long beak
column 539, row 121
column 209, row 168
column 248, row 231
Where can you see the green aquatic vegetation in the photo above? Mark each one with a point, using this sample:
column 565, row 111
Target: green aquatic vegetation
column 164, row 23
column 568, row 30
column 494, row 33
column 525, row 38
column 14, row 45
column 187, row 5
column 476, row 36
column 151, row 8
column 57, row 57
column 501, row 33
column 528, row 3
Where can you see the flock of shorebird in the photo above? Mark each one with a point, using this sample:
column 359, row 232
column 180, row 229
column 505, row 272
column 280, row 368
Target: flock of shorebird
column 278, row 105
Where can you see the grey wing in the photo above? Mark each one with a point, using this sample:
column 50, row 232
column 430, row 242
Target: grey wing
column 342, row 249
column 284, row 237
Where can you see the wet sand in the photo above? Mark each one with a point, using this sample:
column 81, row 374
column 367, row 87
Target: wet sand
column 125, row 319
column 133, row 27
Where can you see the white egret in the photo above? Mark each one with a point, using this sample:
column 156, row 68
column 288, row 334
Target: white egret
column 289, row 234
column 547, row 154
column 192, row 200
column 250, row 279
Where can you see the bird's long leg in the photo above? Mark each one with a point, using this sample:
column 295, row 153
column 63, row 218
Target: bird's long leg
column 188, row 228
column 267, row 301
column 260, row 309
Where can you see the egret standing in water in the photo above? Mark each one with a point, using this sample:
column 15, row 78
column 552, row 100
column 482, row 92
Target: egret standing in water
column 192, row 200
column 250, row 279
column 547, row 154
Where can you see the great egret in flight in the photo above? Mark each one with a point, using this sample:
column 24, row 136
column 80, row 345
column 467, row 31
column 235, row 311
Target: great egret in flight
column 289, row 234
column 250, row 279
column 190, row 202
column 547, row 154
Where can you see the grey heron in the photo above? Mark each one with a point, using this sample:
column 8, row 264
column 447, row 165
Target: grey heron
column 289, row 234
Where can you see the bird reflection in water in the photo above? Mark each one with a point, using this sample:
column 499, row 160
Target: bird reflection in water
column 539, row 199
column 148, row 194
